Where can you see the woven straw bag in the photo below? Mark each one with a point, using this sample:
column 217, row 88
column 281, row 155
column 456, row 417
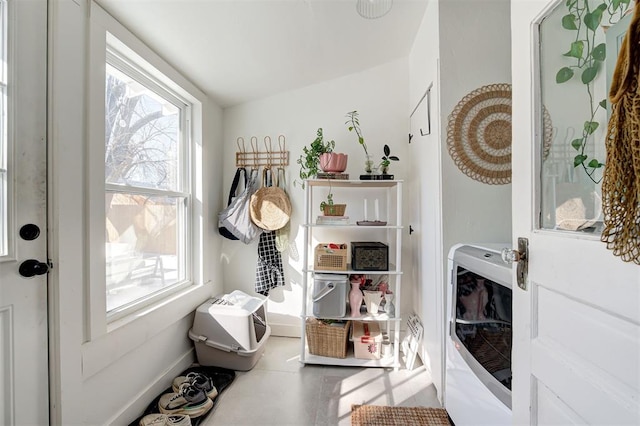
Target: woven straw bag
column 621, row 177
column 270, row 206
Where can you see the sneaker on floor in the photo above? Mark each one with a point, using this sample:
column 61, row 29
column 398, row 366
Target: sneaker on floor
column 178, row 420
column 189, row 400
column 154, row 419
column 198, row 380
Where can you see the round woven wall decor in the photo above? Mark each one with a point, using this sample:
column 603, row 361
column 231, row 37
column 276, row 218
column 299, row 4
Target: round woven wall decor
column 547, row 132
column 479, row 134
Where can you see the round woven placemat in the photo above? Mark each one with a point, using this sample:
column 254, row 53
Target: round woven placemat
column 547, row 133
column 479, row 134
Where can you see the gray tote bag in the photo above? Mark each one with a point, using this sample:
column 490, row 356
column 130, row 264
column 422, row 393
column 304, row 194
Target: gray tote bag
column 237, row 218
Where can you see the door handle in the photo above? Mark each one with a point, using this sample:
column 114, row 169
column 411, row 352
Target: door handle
column 521, row 256
column 32, row 267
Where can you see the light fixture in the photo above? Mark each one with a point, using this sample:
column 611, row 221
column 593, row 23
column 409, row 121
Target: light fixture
column 372, row 9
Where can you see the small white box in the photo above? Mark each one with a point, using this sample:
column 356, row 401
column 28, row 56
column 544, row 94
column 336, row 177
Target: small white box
column 230, row 331
column 367, row 340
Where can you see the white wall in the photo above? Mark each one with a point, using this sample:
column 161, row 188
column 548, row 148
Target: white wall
column 462, row 45
column 474, row 212
column 89, row 365
column 379, row 95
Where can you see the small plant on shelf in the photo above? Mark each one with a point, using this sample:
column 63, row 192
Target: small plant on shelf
column 387, row 158
column 327, row 203
column 309, row 160
column 353, row 125
column 330, row 209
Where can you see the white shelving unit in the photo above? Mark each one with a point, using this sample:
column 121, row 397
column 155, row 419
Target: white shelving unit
column 354, row 192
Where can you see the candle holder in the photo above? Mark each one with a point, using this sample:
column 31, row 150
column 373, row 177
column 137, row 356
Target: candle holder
column 371, row 223
column 366, row 221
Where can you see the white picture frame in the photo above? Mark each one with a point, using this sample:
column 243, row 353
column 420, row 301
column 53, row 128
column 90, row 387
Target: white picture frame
column 412, row 341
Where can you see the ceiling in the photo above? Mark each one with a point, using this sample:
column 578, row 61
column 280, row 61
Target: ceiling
column 241, row 50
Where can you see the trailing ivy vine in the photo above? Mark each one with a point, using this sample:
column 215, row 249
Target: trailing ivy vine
column 587, row 58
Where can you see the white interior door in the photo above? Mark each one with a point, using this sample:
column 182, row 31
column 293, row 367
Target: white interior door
column 425, row 206
column 576, row 336
column 24, row 385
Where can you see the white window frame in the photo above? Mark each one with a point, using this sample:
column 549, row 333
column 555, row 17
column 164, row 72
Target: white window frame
column 7, row 210
column 125, row 65
column 132, row 327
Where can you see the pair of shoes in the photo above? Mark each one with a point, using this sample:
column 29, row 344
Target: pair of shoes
column 158, row 419
column 200, row 381
column 188, row 399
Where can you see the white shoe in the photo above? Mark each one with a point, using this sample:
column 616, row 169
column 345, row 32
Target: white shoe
column 178, row 420
column 155, row 419
column 189, row 400
column 159, row 419
column 200, row 381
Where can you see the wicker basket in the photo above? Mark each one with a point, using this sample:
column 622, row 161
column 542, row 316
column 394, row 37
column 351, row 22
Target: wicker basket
column 327, row 339
column 330, row 259
column 334, row 209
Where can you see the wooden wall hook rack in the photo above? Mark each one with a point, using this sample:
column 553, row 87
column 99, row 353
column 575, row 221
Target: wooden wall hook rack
column 267, row 158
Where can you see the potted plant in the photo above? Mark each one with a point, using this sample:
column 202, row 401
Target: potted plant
column 353, row 125
column 333, row 162
column 328, row 208
column 309, row 161
column 387, row 158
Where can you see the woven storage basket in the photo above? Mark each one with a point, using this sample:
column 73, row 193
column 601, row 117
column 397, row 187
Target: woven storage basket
column 330, row 259
column 334, row 209
column 327, row 340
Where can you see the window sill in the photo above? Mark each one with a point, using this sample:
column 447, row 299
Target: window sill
column 128, row 333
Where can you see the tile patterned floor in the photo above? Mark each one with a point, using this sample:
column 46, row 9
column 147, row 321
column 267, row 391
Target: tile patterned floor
column 279, row 390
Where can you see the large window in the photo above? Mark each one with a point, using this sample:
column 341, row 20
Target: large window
column 147, row 186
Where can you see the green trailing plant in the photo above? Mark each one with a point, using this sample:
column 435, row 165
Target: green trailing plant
column 309, row 160
column 387, row 158
column 587, row 58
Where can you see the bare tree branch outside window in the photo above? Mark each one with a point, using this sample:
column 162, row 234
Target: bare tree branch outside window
column 142, row 160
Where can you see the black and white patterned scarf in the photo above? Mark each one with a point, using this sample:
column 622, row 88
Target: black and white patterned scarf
column 269, row 272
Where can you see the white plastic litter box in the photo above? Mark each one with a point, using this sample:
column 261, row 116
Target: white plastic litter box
column 230, row 331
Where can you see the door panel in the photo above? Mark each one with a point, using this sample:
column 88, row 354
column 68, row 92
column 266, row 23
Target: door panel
column 551, row 410
column 23, row 301
column 585, row 272
column 577, row 327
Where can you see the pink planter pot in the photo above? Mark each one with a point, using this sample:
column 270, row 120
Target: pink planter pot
column 333, row 162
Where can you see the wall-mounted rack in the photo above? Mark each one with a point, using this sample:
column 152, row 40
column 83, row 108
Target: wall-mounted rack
column 267, row 158
column 427, row 96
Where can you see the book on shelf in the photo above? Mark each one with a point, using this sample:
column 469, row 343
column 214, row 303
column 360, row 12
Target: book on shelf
column 340, row 176
column 332, row 220
column 373, row 176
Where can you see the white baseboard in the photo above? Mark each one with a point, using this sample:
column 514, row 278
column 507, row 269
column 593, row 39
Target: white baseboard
column 141, row 402
column 285, row 330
